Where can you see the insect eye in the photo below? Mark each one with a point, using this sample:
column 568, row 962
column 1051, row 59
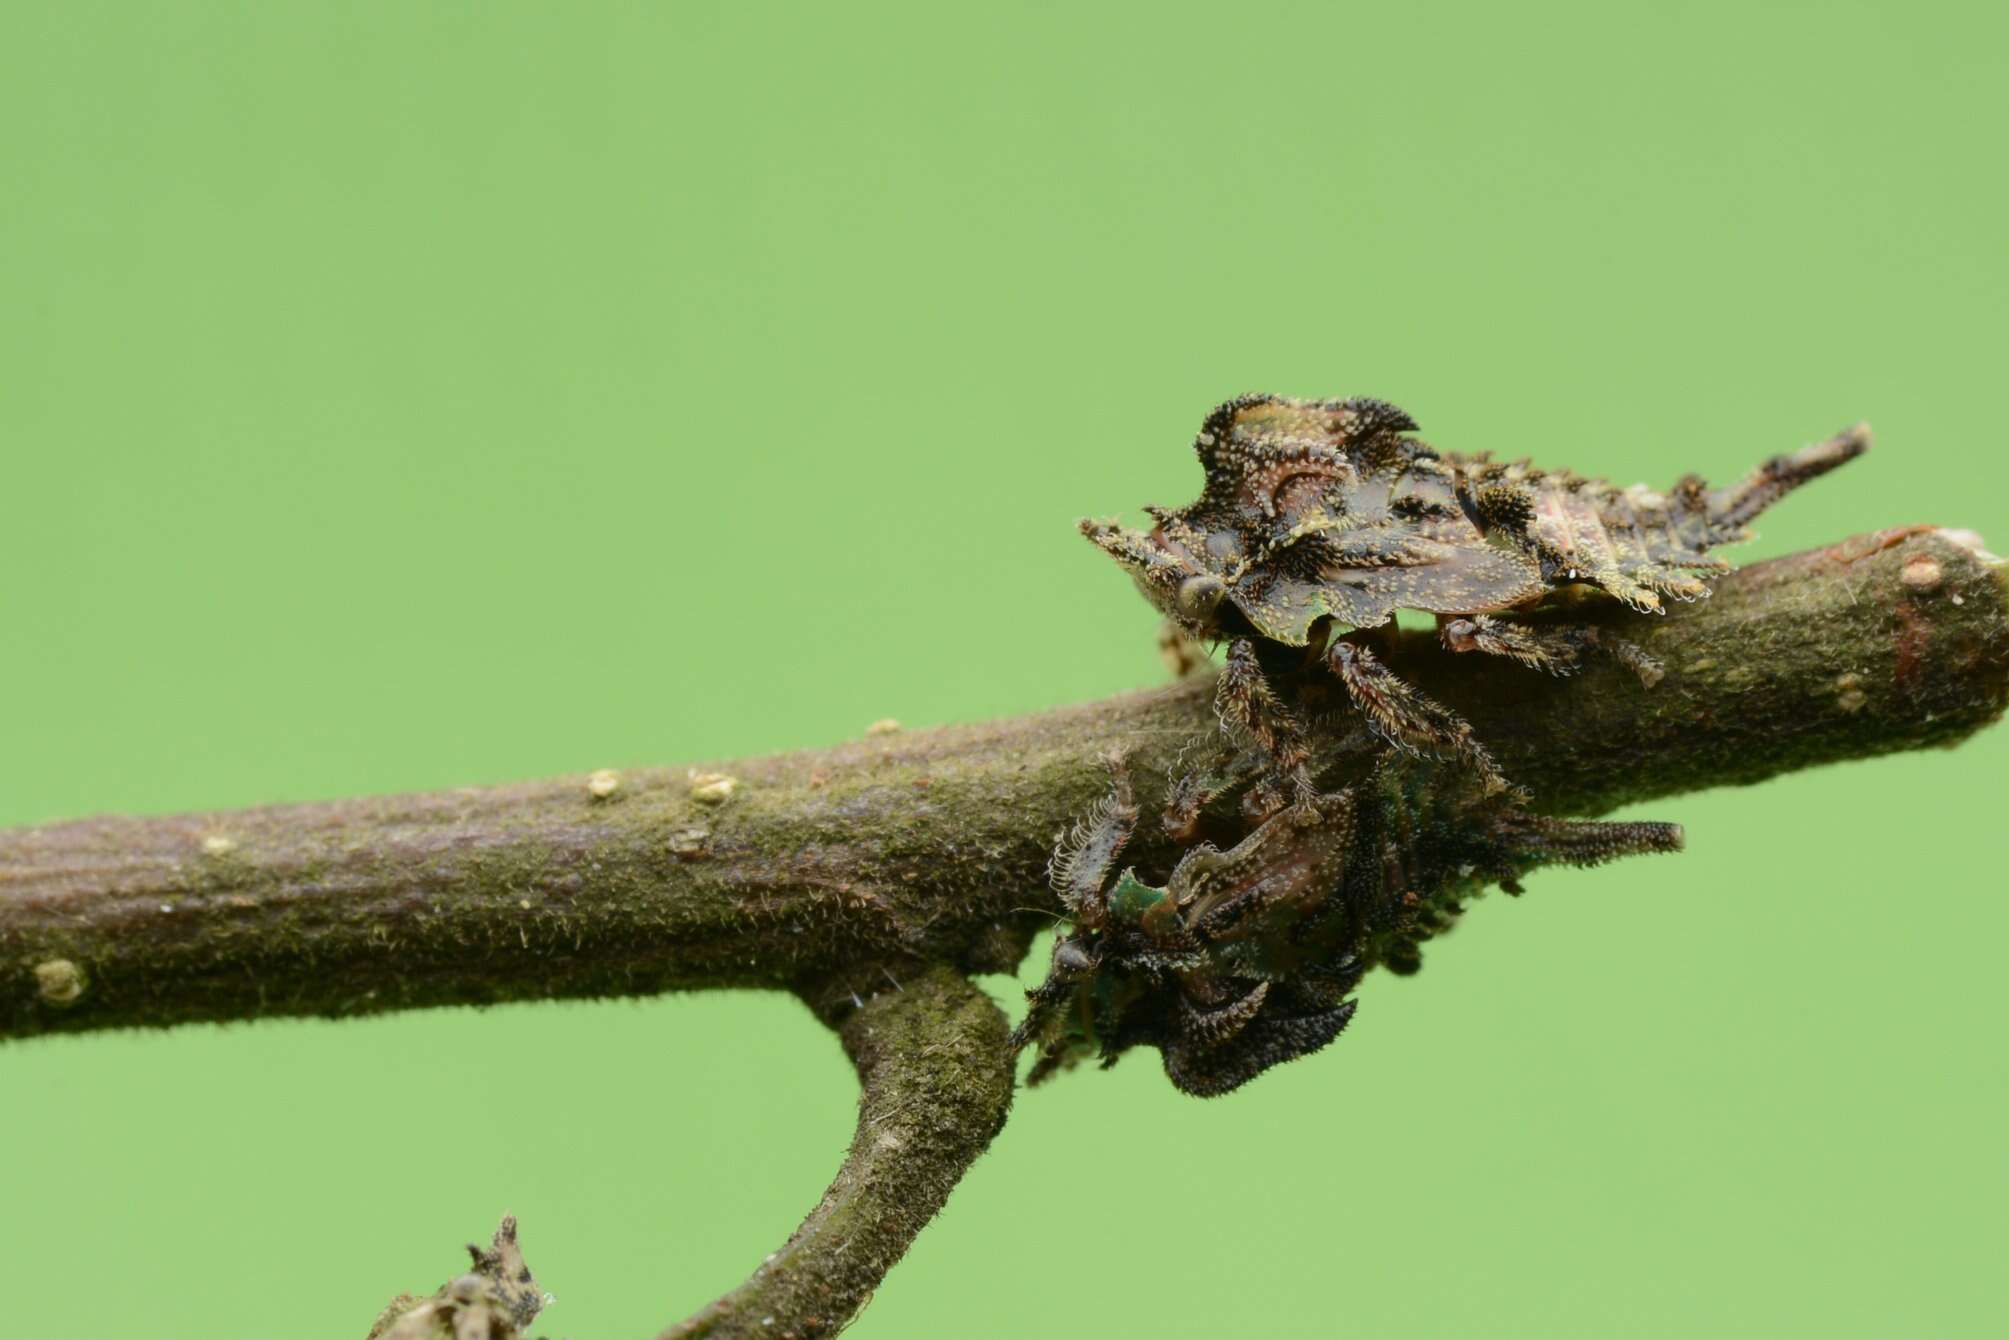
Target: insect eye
column 1199, row 597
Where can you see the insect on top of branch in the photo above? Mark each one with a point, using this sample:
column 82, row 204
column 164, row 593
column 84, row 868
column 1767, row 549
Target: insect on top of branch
column 1323, row 517
column 1318, row 520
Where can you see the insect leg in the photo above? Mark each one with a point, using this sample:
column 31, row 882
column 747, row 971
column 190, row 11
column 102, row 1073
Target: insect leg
column 1080, row 864
column 1406, row 717
column 1072, row 965
column 1244, row 699
column 1078, row 870
column 1632, row 656
column 1558, row 650
column 1198, row 788
column 1209, row 1024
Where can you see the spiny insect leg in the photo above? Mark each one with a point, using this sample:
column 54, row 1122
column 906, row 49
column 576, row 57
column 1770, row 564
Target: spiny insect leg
column 1405, row 716
column 1049, row 1063
column 1244, row 699
column 1198, row 788
column 1212, row 1025
column 1632, row 656
column 1073, row 963
column 1556, row 650
column 1080, row 864
column 1079, row 868
column 1041, row 1002
column 1675, row 585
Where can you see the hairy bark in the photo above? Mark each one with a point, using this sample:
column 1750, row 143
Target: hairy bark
column 913, row 857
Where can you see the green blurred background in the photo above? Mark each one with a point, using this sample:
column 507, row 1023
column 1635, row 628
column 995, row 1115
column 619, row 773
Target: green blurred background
column 388, row 390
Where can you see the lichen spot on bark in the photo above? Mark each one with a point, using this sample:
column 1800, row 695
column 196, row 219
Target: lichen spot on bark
column 60, row 982
column 712, row 788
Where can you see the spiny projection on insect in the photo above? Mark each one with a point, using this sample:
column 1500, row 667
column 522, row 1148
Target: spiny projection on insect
column 1319, row 519
column 1246, row 958
column 1323, row 517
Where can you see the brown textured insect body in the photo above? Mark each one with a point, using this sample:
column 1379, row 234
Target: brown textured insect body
column 1320, row 517
column 1247, row 957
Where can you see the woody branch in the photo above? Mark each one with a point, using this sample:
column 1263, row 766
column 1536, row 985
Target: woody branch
column 834, row 872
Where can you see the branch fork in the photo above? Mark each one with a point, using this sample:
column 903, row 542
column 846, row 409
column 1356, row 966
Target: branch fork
column 890, row 868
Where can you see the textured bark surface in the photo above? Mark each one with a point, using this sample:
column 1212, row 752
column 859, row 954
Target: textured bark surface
column 936, row 1084
column 826, row 866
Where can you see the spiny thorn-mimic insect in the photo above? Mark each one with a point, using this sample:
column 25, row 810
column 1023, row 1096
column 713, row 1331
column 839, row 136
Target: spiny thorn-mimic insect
column 1321, row 517
column 1246, row 958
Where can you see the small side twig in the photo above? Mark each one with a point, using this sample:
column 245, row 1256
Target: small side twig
column 936, row 1084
